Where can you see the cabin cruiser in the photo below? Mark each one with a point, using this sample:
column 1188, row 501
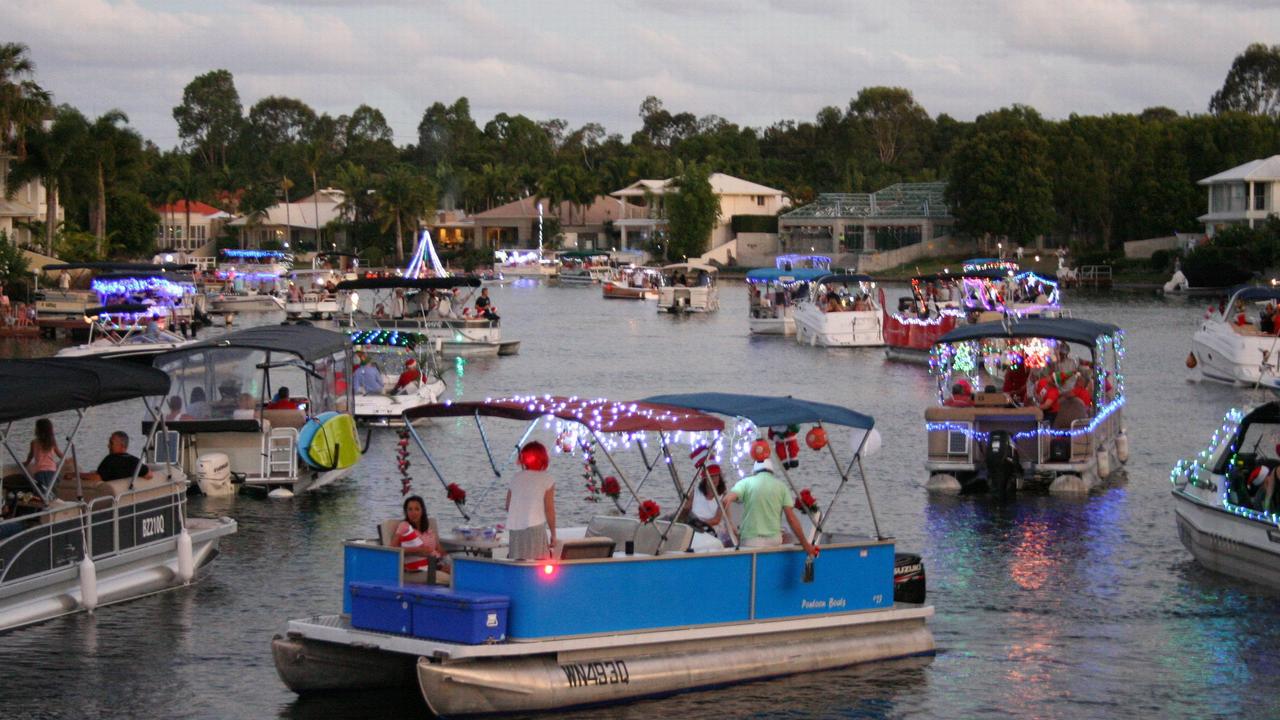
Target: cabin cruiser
column 772, row 295
column 77, row 544
column 632, row 282
column 117, row 331
column 1015, row 407
column 688, row 287
column 442, row 308
column 518, row 264
column 839, row 311
column 238, row 427
column 503, row 635
column 249, row 281
column 584, row 267
column 408, row 374
column 1226, row 500
column 1239, row 344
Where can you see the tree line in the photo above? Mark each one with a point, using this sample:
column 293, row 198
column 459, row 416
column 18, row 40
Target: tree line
column 1093, row 181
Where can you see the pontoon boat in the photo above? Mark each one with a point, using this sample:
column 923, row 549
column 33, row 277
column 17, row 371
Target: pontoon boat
column 250, row 281
column 518, row 264
column 583, row 267
column 688, row 287
column 432, row 306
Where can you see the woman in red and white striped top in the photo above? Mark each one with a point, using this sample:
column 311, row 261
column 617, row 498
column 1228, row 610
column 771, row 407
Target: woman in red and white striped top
column 415, row 537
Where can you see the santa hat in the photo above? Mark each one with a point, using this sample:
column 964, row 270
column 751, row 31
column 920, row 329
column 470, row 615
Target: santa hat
column 410, row 362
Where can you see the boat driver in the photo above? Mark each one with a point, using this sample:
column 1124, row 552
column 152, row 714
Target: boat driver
column 118, row 464
column 765, row 500
column 367, row 377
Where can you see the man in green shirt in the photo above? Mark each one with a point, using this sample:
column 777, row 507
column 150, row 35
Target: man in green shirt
column 765, row 499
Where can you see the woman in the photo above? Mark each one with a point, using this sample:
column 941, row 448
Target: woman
column 531, row 506
column 704, row 511
column 415, row 537
column 245, row 408
column 175, row 409
column 42, row 457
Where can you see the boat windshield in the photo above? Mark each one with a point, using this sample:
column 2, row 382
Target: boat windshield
column 215, row 383
column 1259, row 443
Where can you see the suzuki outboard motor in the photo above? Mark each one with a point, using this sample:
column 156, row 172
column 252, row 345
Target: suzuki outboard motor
column 908, row 578
column 1003, row 466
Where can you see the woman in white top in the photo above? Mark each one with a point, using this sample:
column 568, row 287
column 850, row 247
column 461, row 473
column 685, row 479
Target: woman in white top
column 531, row 506
column 703, row 506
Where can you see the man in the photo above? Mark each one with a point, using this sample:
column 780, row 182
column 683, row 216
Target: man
column 118, row 464
column 367, row 378
column 1065, row 364
column 765, row 499
column 960, row 397
column 282, row 401
column 484, row 306
column 410, row 376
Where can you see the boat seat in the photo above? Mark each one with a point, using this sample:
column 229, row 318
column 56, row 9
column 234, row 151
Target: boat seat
column 621, row 530
column 387, row 529
column 649, row 535
column 291, row 418
column 992, row 399
column 587, row 548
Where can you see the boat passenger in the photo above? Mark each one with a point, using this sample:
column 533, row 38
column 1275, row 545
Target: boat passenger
column 118, row 464
column 245, row 408
column 1267, row 318
column 398, row 304
column 1065, row 363
column 40, row 461
column 484, row 306
column 702, row 511
column 960, row 397
column 408, row 378
column 765, row 501
column 175, row 409
column 862, row 304
column 282, row 401
column 417, row 540
column 197, row 409
column 1047, row 396
column 1015, row 382
column 833, row 303
column 531, row 506
column 367, row 377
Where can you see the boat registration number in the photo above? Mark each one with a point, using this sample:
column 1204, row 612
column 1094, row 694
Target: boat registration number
column 607, row 672
column 152, row 526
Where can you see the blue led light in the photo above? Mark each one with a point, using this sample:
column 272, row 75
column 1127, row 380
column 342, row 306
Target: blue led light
column 257, row 254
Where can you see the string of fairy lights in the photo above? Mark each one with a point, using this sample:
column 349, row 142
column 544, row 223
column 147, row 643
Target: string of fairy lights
column 1192, row 471
column 386, row 338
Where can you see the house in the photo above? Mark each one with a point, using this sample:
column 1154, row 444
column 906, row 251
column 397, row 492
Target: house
column 452, row 230
column 582, row 227
column 28, row 204
column 898, row 216
column 738, row 197
column 300, row 225
column 174, row 233
column 1243, row 195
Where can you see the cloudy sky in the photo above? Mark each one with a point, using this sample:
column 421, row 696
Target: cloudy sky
column 751, row 61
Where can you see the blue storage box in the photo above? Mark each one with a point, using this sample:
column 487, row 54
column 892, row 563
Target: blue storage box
column 383, row 608
column 469, row 618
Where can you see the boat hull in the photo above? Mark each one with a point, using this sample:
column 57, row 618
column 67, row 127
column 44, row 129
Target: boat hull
column 613, row 291
column 1224, row 356
column 843, row 329
column 772, row 326
column 1227, row 543
column 245, row 303
column 385, row 410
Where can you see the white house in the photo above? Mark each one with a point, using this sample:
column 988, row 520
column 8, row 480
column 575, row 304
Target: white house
column 295, row 225
column 28, row 204
column 737, row 197
column 1243, row 195
column 174, row 233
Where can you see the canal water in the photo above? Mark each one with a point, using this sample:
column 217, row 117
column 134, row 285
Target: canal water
column 1049, row 607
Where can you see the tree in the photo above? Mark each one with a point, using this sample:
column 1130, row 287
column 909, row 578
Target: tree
column 23, row 103
column 13, row 263
column 111, row 152
column 275, row 121
column 1000, row 183
column 52, row 157
column 403, row 197
column 133, row 225
column 209, row 117
column 1252, row 84
column 692, row 210
column 895, row 119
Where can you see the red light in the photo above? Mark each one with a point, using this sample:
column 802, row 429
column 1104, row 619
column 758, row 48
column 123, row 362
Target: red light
column 548, row 569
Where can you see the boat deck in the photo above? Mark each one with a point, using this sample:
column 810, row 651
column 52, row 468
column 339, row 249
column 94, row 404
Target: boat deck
column 338, row 629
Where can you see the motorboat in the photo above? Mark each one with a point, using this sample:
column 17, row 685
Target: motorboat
column 389, row 352
column 168, row 286
column 442, row 308
column 117, row 331
column 984, row 290
column 79, row 544
column 520, row 636
column 1220, row 497
column 1239, row 344
column 524, row 264
column 632, row 282
column 583, row 267
column 310, row 293
column 235, row 430
column 689, row 287
column 1015, row 386
column 772, row 294
column 249, row 281
column 840, row 310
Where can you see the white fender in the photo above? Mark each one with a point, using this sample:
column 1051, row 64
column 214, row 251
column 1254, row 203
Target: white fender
column 1122, row 447
column 186, row 557
column 280, row 493
column 88, row 584
column 1069, row 485
column 943, row 483
column 1104, row 462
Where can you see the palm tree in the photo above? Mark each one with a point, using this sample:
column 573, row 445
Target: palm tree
column 52, row 155
column 404, row 196
column 314, row 155
column 23, row 103
column 184, row 184
column 105, row 148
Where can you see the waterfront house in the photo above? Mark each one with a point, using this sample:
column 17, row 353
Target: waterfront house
column 582, row 227
column 28, row 204
column 298, row 226
column 174, row 232
column 1244, row 195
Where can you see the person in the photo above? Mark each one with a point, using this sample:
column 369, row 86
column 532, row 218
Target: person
column 118, row 464
column 702, row 511
column 833, row 303
column 398, row 304
column 410, row 376
column 444, row 306
column 1019, row 251
column 175, row 409
column 484, row 306
column 197, row 408
column 765, row 500
column 1267, row 318
column 531, row 506
column 282, row 401
column 1048, row 396
column 367, row 378
column 380, row 311
column 42, row 456
column 295, row 293
column 64, row 281
column 1015, row 382
column 960, row 397
column 245, row 409
column 1065, row 363
column 416, row 538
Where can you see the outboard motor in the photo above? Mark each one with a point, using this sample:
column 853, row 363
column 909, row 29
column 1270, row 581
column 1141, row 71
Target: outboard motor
column 1003, row 465
column 213, row 474
column 908, row 578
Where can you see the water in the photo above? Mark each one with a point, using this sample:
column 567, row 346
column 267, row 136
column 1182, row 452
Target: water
column 1050, row 607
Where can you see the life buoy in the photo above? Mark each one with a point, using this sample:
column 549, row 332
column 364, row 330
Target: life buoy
column 1191, row 360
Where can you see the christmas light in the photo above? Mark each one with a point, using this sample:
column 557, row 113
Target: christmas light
column 257, row 254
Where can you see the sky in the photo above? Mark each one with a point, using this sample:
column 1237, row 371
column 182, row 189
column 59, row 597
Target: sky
column 753, row 62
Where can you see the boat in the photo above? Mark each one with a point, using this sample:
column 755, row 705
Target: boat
column 1071, row 452
column 1220, row 500
column 411, row 304
column 80, row 545
column 840, row 310
column 249, row 281
column 168, row 285
column 1231, row 345
column 985, row 289
column 514, row 636
column 232, row 437
column 772, row 294
column 389, row 350
column 688, row 287
column 117, row 331
column 632, row 282
column 524, row 264
column 583, row 267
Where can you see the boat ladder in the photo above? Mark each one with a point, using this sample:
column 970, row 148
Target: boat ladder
column 282, row 446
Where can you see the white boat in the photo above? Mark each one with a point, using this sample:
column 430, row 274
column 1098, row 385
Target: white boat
column 249, row 301
column 689, row 287
column 389, row 350
column 168, row 285
column 632, row 282
column 118, row 331
column 772, row 295
column 310, row 293
column 1221, row 505
column 234, row 431
column 442, row 308
column 79, row 545
column 585, row 267
column 249, row 281
column 518, row 636
column 518, row 264
column 840, row 311
column 1232, row 347
column 1070, row 450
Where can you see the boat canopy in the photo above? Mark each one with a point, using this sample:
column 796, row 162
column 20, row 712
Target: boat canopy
column 431, row 283
column 1254, row 293
column 304, row 341
column 1069, row 329
column 690, row 266
column 583, row 254
column 126, row 269
column 767, row 411
column 837, row 278
column 599, row 414
column 34, row 388
column 776, row 274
